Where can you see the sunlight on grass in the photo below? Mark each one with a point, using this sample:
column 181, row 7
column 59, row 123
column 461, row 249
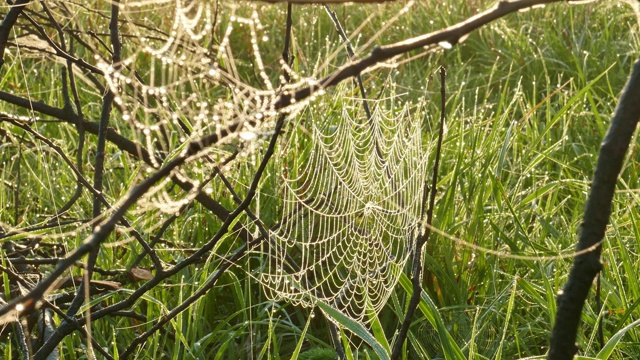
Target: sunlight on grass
column 529, row 100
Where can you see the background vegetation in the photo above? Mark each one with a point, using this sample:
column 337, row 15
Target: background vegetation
column 530, row 97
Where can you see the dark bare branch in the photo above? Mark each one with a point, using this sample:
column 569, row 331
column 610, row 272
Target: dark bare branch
column 7, row 24
column 596, row 217
column 447, row 37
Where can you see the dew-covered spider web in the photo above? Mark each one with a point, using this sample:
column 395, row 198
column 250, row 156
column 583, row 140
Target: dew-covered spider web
column 198, row 71
column 352, row 198
column 351, row 187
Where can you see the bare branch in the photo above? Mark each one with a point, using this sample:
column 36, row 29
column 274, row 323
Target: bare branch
column 7, row 24
column 596, row 217
column 447, row 37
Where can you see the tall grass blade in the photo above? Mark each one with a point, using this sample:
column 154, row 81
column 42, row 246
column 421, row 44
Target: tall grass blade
column 296, row 352
column 610, row 346
column 355, row 328
column 450, row 348
column 506, row 320
column 376, row 328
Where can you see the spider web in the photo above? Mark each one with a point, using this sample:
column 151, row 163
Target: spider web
column 352, row 185
column 184, row 81
column 351, row 206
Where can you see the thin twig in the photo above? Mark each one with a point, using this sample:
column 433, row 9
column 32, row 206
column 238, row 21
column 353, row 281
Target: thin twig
column 60, row 52
column 352, row 57
column 22, row 339
column 66, row 83
column 416, row 279
column 16, row 189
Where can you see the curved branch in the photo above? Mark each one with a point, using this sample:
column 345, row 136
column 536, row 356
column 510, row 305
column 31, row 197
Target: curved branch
column 447, row 37
column 7, row 24
column 596, row 217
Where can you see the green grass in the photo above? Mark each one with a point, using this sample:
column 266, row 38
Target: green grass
column 529, row 100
